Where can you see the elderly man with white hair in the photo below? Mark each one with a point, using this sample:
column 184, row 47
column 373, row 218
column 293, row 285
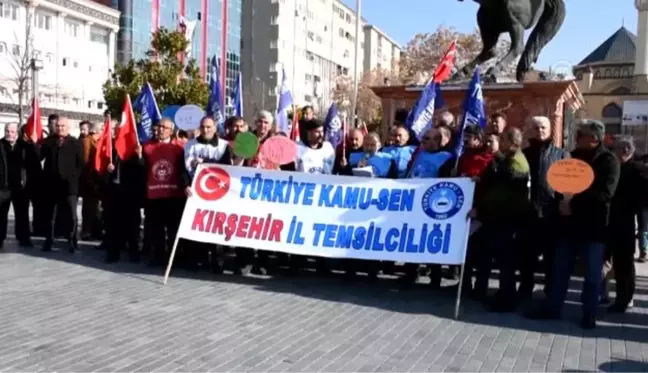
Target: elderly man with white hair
column 18, row 163
column 540, row 237
column 628, row 202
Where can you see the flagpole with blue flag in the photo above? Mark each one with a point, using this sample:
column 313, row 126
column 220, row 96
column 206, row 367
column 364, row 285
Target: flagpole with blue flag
column 285, row 102
column 215, row 104
column 420, row 117
column 237, row 96
column 474, row 112
column 149, row 111
column 333, row 126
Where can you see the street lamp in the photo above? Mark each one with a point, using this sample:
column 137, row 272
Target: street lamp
column 35, row 65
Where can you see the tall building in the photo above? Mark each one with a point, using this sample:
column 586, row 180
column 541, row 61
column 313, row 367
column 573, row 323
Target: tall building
column 218, row 25
column 380, row 51
column 312, row 41
column 73, row 46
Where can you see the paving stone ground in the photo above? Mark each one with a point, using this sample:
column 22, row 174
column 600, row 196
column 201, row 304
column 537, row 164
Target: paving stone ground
column 63, row 312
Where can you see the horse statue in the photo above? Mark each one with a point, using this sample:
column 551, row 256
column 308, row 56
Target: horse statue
column 496, row 17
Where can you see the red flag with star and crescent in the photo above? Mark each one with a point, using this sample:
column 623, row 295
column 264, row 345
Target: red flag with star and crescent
column 444, row 70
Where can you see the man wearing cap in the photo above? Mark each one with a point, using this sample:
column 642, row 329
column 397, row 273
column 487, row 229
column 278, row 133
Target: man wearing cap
column 586, row 218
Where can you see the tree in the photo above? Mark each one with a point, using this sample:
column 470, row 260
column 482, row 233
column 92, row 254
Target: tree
column 15, row 81
column 369, row 106
column 173, row 83
column 424, row 51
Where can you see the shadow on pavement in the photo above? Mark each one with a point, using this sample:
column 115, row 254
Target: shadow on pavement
column 386, row 293
column 624, row 366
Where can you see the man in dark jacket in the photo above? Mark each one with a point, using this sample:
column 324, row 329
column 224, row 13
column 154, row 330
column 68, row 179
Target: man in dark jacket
column 540, row 238
column 586, row 219
column 503, row 208
column 63, row 156
column 18, row 163
column 627, row 203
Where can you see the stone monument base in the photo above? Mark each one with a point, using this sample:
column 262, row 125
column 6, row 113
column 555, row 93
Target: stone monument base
column 557, row 100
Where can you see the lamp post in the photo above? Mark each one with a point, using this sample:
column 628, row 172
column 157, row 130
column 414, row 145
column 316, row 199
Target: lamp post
column 35, row 65
column 263, row 92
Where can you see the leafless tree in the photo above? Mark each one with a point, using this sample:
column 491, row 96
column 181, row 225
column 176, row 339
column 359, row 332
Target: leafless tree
column 16, row 80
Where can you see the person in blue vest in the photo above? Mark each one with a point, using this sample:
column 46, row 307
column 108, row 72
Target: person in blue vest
column 381, row 164
column 434, row 159
column 343, row 166
column 400, row 150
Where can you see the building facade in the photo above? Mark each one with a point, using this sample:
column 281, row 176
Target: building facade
column 380, row 51
column 73, row 45
column 218, row 31
column 312, row 41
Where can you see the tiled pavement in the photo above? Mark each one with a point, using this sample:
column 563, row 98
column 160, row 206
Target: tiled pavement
column 62, row 312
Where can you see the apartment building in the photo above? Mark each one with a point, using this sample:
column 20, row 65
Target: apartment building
column 313, row 41
column 380, row 51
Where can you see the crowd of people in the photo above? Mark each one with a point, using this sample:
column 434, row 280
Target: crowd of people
column 525, row 226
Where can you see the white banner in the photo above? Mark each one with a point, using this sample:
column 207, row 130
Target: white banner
column 413, row 220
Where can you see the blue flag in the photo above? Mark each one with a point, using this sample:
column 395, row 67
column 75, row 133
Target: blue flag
column 439, row 102
column 147, row 107
column 285, row 101
column 333, row 126
column 474, row 113
column 215, row 103
column 419, row 119
column 237, row 96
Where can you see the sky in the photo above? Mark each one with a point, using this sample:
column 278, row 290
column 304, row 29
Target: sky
column 587, row 23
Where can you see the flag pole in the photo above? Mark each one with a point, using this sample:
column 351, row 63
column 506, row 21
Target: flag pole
column 355, row 61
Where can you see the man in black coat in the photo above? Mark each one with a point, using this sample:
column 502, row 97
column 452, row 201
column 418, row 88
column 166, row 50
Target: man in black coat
column 540, row 238
column 627, row 203
column 585, row 226
column 63, row 156
column 18, row 163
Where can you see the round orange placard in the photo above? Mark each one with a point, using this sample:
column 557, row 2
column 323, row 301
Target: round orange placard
column 570, row 176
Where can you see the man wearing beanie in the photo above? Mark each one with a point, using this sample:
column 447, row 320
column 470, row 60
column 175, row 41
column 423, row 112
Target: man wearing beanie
column 585, row 226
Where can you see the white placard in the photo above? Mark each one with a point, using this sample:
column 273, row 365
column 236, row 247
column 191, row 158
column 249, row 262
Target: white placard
column 635, row 113
column 188, row 117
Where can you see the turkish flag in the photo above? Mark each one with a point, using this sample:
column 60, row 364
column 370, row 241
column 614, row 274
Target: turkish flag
column 294, row 131
column 126, row 141
column 103, row 154
column 444, row 70
column 34, row 126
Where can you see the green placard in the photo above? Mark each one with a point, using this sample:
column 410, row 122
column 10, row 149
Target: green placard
column 246, row 145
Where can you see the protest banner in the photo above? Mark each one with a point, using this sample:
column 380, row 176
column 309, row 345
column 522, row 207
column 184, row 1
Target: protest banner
column 411, row 220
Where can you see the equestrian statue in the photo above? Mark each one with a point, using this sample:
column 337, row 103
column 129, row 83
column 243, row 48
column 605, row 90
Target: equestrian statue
column 495, row 17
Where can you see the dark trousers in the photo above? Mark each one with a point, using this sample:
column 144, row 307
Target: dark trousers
column 643, row 230
column 474, row 256
column 538, row 240
column 622, row 250
column 592, row 254
column 164, row 215
column 498, row 243
column 122, row 219
column 90, row 220
column 20, row 201
column 57, row 206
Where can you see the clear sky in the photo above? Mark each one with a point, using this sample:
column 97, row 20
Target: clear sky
column 587, row 24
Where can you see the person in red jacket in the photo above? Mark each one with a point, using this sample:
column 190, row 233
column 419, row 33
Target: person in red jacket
column 167, row 184
column 476, row 157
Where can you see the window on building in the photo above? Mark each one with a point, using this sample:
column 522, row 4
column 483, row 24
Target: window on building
column 100, row 105
column 341, row 13
column 49, row 58
column 309, row 77
column 308, row 98
column 346, row 53
column 310, row 56
column 335, row 8
column 15, row 50
column 75, row 64
column 76, row 102
column 65, row 61
column 318, row 39
column 48, row 98
column 348, row 18
column 8, row 11
column 90, row 104
column 341, row 32
column 311, row 35
column 71, row 28
column 99, row 35
column 66, row 100
column 3, row 48
column 612, row 110
column 43, row 21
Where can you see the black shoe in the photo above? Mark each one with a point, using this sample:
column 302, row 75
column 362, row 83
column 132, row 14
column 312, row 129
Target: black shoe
column 25, row 243
column 617, row 308
column 642, row 257
column 72, row 247
column 588, row 322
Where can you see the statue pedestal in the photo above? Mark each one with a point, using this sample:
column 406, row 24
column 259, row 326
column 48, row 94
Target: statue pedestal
column 557, row 100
